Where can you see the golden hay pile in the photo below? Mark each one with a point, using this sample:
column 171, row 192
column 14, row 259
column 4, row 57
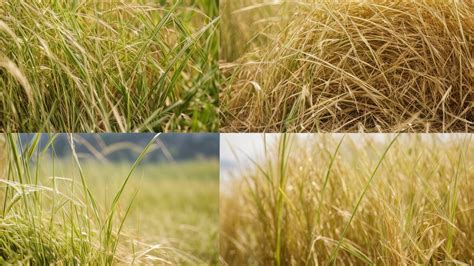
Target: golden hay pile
column 352, row 66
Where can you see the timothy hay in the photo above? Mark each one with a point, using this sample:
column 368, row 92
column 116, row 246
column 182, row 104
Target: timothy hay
column 417, row 209
column 357, row 66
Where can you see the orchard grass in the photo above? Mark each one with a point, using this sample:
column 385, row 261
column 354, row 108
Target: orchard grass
column 113, row 66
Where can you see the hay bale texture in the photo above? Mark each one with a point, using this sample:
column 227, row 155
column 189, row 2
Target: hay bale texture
column 358, row 66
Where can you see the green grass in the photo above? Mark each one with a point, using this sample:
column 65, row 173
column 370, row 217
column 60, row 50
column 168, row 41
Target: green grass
column 108, row 66
column 355, row 200
column 56, row 211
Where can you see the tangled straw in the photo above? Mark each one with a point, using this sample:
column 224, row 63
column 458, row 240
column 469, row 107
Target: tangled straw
column 358, row 66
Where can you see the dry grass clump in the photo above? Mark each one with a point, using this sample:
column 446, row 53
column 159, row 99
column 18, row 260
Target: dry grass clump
column 352, row 66
column 356, row 200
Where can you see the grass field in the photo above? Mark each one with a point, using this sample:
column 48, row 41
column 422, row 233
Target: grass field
column 347, row 66
column 115, row 66
column 352, row 200
column 54, row 213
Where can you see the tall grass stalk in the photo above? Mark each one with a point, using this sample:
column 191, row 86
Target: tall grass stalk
column 283, row 158
column 346, row 227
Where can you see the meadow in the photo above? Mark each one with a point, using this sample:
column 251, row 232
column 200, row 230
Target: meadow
column 90, row 211
column 352, row 200
column 108, row 66
column 347, row 66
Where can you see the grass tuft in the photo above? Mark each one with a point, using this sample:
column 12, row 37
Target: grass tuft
column 79, row 210
column 108, row 66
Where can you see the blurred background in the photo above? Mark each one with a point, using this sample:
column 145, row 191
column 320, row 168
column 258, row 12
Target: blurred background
column 126, row 147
